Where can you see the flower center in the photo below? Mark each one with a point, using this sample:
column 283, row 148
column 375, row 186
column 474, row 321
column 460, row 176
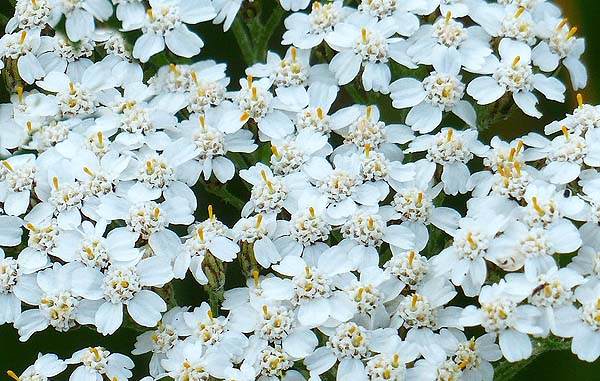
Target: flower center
column 349, row 340
column 121, row 284
column 443, row 90
column 371, row 47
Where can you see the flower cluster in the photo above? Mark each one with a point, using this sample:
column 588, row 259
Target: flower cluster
column 368, row 248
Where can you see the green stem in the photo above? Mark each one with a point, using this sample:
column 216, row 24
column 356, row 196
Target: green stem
column 224, row 194
column 243, row 39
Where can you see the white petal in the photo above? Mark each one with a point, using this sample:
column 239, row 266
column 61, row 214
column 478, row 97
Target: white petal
column 146, row 307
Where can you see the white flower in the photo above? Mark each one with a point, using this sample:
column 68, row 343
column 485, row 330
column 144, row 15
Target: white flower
column 144, row 216
column 559, row 43
column 292, row 70
column 44, row 367
column 88, row 245
column 214, row 134
column 98, row 363
column 18, row 178
column 190, row 361
column 532, row 247
column 501, row 314
column 582, row 323
column 452, row 150
column 464, row 260
column 312, row 287
column 442, row 91
column 424, row 310
column 254, row 100
column 63, row 296
column 165, row 24
column 472, row 43
column 472, row 356
column 23, row 47
column 124, row 285
column 162, row 339
column 80, row 15
column 549, row 291
column 343, row 185
column 514, row 74
column 363, row 41
column 307, row 31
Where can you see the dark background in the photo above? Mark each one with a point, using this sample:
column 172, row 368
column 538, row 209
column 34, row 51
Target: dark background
column 552, row 366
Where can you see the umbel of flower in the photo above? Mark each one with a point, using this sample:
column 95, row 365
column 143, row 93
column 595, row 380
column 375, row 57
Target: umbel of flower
column 354, row 240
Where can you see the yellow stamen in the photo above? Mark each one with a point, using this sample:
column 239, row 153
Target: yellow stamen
column 156, row 213
column 396, row 360
column 472, row 343
column 516, row 61
column 194, row 77
column 88, row 172
column 413, row 304
column 367, row 149
column 254, row 93
column 511, row 155
column 202, row 121
column 187, row 365
column 571, row 33
column 210, row 315
column 307, row 271
column 580, row 100
column 359, row 294
column 471, row 241
column 201, row 233
column 565, row 132
column 275, row 152
column 363, row 33
column 149, row 167
column 311, row 210
column 371, row 223
column 90, row 253
column 100, row 138
column 30, row 227
column 245, row 116
column 450, row 134
column 94, row 350
column 320, row 112
column 448, row 16
column 7, row 165
column 562, row 23
column 20, row 94
column 294, row 53
column 519, row 146
column 255, row 276
column 211, row 216
column 12, row 375
column 419, row 199
column 537, row 207
column 149, row 12
column 316, row 5
column 72, row 87
column 411, row 258
column 259, row 219
column 55, row 182
column 369, row 109
column 503, row 315
column 250, row 80
column 124, row 284
column 463, row 364
column 35, row 4
column 356, row 342
column 265, row 310
column 518, row 168
column 519, row 12
column 548, row 290
column 23, row 36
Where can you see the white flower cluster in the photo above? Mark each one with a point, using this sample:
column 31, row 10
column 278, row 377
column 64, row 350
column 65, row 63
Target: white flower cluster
column 369, row 248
